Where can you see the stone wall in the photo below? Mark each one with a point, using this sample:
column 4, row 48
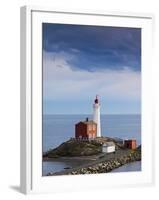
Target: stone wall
column 107, row 166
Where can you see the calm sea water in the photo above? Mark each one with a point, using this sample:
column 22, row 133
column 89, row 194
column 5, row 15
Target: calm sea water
column 134, row 166
column 59, row 128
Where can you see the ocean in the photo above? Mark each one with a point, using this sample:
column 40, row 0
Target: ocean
column 59, row 128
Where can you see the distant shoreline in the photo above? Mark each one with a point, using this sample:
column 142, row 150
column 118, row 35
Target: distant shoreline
column 91, row 114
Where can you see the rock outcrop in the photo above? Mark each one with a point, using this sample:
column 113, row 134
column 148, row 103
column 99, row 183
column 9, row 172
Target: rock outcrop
column 74, row 147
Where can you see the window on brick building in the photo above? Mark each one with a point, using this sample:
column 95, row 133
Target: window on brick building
column 90, row 127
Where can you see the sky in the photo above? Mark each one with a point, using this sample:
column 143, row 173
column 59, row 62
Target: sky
column 80, row 61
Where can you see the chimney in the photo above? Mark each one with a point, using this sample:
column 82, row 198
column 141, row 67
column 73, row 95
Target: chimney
column 86, row 119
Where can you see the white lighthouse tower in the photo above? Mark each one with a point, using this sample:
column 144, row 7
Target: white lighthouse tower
column 96, row 115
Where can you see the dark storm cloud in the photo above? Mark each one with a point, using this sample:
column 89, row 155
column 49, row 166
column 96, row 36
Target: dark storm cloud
column 95, row 47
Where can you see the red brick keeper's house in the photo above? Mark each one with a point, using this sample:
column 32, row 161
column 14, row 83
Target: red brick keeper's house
column 86, row 130
column 130, row 144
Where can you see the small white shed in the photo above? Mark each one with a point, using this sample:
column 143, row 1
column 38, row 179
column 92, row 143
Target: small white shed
column 108, row 147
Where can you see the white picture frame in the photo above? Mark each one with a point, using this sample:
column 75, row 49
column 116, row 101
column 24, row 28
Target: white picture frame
column 31, row 101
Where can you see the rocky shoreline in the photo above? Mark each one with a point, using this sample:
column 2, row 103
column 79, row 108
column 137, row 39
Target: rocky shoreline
column 104, row 165
column 73, row 148
column 91, row 151
column 107, row 166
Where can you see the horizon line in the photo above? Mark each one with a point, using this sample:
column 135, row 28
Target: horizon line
column 91, row 114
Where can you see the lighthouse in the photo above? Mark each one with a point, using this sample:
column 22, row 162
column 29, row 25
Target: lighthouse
column 96, row 115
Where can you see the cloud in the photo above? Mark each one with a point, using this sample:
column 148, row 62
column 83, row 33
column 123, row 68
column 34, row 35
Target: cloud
column 61, row 80
column 113, row 47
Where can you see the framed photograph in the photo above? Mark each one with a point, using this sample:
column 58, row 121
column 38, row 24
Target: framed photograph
column 86, row 100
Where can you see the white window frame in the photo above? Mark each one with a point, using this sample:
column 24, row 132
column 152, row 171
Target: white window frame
column 31, row 134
